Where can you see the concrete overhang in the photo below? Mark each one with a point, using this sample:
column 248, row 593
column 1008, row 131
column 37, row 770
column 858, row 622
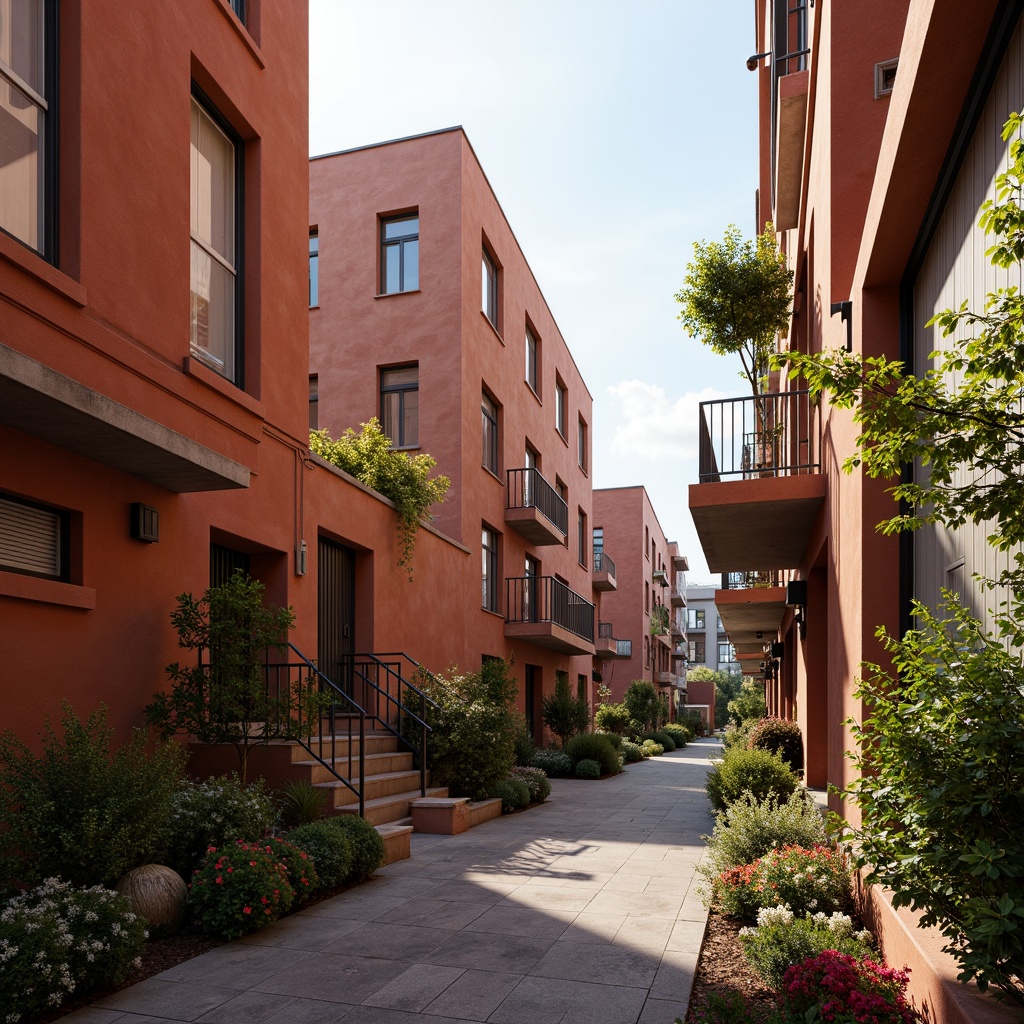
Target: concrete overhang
column 756, row 524
column 790, row 128
column 746, row 613
column 534, row 526
column 603, row 581
column 549, row 635
column 38, row 400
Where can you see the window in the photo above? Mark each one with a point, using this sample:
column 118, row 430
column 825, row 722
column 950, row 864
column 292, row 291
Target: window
column 400, row 405
column 647, row 597
column 489, row 281
column 529, row 486
column 581, row 536
column 489, row 423
column 726, row 653
column 598, row 543
column 489, row 570
column 530, row 597
column 581, row 445
column 647, row 539
column 696, row 651
column 34, row 539
column 314, row 269
column 561, row 423
column 400, row 254
column 215, row 242
column 28, row 122
column 694, row 618
column 314, row 401
column 238, row 6
column 532, row 346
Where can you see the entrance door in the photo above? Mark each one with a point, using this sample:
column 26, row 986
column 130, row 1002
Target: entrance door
column 336, row 611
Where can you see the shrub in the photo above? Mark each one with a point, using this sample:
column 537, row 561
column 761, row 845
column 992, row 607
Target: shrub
column 748, row 828
column 781, row 736
column 78, row 811
column 302, row 875
column 301, row 802
column 594, row 746
column 781, row 939
column 651, row 749
column 525, row 748
column 631, row 752
column 835, row 986
column 536, row 781
column 749, row 704
column 692, row 720
column 216, row 812
column 330, row 849
column 805, row 880
column 613, row 718
column 365, row 842
column 554, row 763
column 56, row 939
column 661, row 737
column 642, row 703
column 239, row 889
column 512, row 793
column 759, row 771
column 738, row 735
column 565, row 713
column 679, row 734
column 588, row 769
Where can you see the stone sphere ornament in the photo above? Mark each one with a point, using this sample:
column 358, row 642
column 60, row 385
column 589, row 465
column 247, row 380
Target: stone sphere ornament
column 158, row 895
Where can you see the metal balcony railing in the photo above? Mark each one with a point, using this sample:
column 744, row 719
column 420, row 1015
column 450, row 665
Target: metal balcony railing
column 545, row 599
column 750, row 580
column 602, row 563
column 528, row 489
column 770, row 435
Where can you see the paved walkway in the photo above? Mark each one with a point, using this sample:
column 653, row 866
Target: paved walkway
column 580, row 911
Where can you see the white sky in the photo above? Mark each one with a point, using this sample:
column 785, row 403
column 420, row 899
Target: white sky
column 615, row 135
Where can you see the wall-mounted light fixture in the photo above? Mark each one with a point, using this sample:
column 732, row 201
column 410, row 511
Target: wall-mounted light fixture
column 845, row 311
column 144, row 524
column 754, row 59
column 301, row 559
column 796, row 597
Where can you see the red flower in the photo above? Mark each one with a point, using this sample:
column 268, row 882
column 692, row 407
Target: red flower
column 246, row 910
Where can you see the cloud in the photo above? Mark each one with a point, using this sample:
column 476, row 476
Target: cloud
column 651, row 426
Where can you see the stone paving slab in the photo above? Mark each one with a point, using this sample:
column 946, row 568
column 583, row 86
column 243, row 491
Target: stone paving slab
column 581, row 911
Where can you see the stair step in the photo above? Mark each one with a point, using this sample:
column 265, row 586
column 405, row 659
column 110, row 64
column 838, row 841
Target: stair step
column 374, row 764
column 375, row 787
column 389, row 809
column 375, row 743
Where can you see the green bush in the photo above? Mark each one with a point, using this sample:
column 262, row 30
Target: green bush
column 564, row 712
column 330, row 849
column 781, row 939
column 749, row 704
column 512, row 793
column 365, row 843
column 239, row 889
column 56, row 939
column 613, row 718
column 631, row 752
column 588, row 769
column 781, row 736
column 302, row 875
column 759, row 771
column 738, row 735
column 613, row 738
column 554, row 763
column 661, row 737
column 594, row 746
column 525, row 748
column 536, row 781
column 79, row 812
column 692, row 720
column 680, row 734
column 651, row 749
column 643, row 705
column 216, row 812
column 301, row 802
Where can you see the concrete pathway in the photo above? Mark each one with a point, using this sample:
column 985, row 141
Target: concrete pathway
column 580, row 911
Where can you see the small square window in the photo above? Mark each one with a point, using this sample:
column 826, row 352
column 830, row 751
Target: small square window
column 885, row 77
column 400, row 254
column 34, row 539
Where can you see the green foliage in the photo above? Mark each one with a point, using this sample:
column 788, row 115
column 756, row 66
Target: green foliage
column 693, row 721
column 329, row 848
column 736, row 299
column 594, row 746
column 782, row 736
column 227, row 699
column 588, row 769
column 239, row 889
column 642, row 703
column 612, row 718
column 727, row 688
column 216, row 812
column 366, row 845
column 298, row 864
column 631, row 752
column 301, row 802
column 758, row 771
column 660, row 736
column 473, row 740
column 525, row 748
column 781, row 939
column 513, row 794
column 738, row 735
column 78, row 811
column 536, row 781
column 679, row 734
column 554, row 763
column 613, row 738
column 749, row 705
column 651, row 749
column 56, row 940
column 403, row 479
column 564, row 713
column 658, row 625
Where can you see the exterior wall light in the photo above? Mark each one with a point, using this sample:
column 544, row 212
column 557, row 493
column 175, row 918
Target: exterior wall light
column 796, row 597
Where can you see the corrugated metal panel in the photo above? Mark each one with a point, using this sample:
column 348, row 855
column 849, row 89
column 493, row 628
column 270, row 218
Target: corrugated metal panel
column 30, row 539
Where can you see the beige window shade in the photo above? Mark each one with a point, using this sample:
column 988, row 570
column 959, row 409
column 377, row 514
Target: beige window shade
column 30, row 539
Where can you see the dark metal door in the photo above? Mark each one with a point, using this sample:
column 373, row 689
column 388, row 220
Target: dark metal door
column 336, row 611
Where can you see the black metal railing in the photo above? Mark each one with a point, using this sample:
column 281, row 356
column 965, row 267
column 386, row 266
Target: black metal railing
column 528, row 489
column 546, row 599
column 770, row 435
column 751, row 579
column 602, row 563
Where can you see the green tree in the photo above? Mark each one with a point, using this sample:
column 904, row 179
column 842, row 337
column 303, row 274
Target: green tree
column 749, row 704
column 736, row 299
column 405, row 480
column 727, row 687
column 641, row 701
column 564, row 713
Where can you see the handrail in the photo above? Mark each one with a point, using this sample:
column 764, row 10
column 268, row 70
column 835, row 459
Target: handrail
column 528, row 489
column 602, row 562
column 546, row 599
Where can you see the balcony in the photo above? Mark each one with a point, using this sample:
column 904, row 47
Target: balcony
column 678, row 598
column 660, row 576
column 545, row 612
column 752, row 617
column 665, row 678
column 677, row 631
column 534, row 508
column 760, row 488
column 608, row 647
column 604, row 572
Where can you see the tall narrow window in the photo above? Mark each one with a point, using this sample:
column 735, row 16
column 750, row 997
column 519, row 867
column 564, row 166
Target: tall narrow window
column 215, row 219
column 581, row 445
column 314, row 401
column 33, row 539
column 598, row 541
column 529, row 484
column 314, row 269
column 561, row 422
column 400, row 405
column 400, row 254
column 581, row 537
column 489, row 279
column 531, row 361
column 530, row 596
column 489, row 423
column 489, row 569
column 27, row 122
